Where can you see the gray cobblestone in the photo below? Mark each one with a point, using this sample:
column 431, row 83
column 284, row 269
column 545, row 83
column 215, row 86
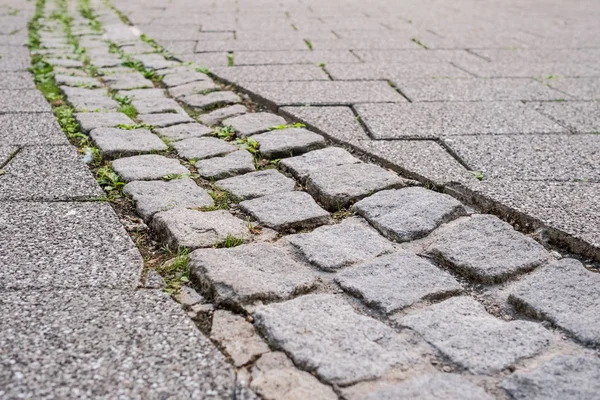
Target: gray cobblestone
column 127, row 81
column 139, row 94
column 89, row 121
column 410, row 213
column 249, row 124
column 301, row 166
column 288, row 142
column 462, row 330
column 257, row 184
column 93, row 104
column 147, row 167
column 164, row 120
column 238, row 162
column 183, row 77
column 114, row 142
column 156, row 105
column 214, row 99
column 192, row 88
column 204, row 147
column 77, row 81
column 184, row 131
column 214, row 117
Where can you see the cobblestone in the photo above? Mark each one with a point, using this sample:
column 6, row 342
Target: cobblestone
column 463, row 331
column 250, row 124
column 180, row 227
column 181, row 78
column 236, row 163
column 156, row 105
column 127, row 81
column 257, row 184
column 486, row 249
column 164, row 120
column 214, row 117
column 77, row 81
column 302, row 166
column 407, row 214
column 93, row 104
column 151, row 197
column 183, row 131
column 89, row 121
column 214, row 99
column 114, row 142
column 147, row 167
column 139, row 94
column 288, row 142
column 204, row 147
column 193, row 88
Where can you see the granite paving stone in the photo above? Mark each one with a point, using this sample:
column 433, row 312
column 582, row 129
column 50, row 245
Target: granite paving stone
column 203, row 147
column 183, row 77
column 486, row 249
column 77, row 81
column 63, row 176
column 210, row 100
column 269, row 274
column 139, row 94
column 257, row 184
column 192, row 88
column 151, row 197
column 561, row 378
column 64, row 62
column 302, row 166
column 156, row 105
column 214, row 117
column 339, row 186
column 392, row 282
column 127, row 81
column 235, row 163
column 19, row 101
column 274, row 376
column 83, row 92
column 270, row 73
column 322, row 333
column 147, row 167
column 182, row 227
column 434, row 120
column 288, row 142
column 580, row 117
column 433, row 386
column 114, row 142
column 549, row 294
column 163, row 120
column 183, row 131
column 89, row 121
column 30, row 129
column 464, row 332
column 237, row 336
column 62, row 245
column 105, row 343
column 250, row 124
column 93, row 104
column 408, row 214
column 155, row 61
column 333, row 247
column 285, row 211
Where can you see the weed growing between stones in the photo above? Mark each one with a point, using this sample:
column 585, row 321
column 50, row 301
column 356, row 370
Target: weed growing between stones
column 222, row 199
column 286, row 126
column 109, row 181
column 175, row 271
column 126, row 107
column 230, row 241
column 230, row 60
column 478, row 175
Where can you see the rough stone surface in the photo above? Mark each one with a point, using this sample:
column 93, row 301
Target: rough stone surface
column 257, row 184
column 28, row 129
column 284, row 211
column 288, row 142
column 156, row 105
column 249, row 124
column 339, row 186
column 181, row 78
column 89, row 121
column 77, row 81
column 237, row 336
column 565, row 293
column 147, row 167
column 301, row 166
column 463, row 331
column 204, row 147
column 393, row 282
column 127, row 81
column 333, row 247
column 183, row 131
column 322, row 333
column 72, row 344
column 193, row 88
column 181, row 227
column 214, row 117
column 238, row 162
column 65, row 245
column 486, row 249
column 407, row 214
column 162, row 120
column 269, row 274
column 432, row 386
column 274, row 376
column 138, row 94
column 114, row 142
column 214, row 99
column 561, row 378
column 151, row 197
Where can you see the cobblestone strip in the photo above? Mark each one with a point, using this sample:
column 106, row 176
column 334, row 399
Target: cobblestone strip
column 320, row 274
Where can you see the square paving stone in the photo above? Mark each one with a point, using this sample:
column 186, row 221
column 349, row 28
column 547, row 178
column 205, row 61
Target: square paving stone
column 155, row 61
column 302, row 166
column 407, row 214
column 578, row 88
column 65, row 245
column 211, row 100
column 83, row 92
column 580, row 117
column 15, row 101
column 464, row 332
column 89, row 121
column 114, row 142
column 163, row 120
column 288, row 142
column 193, row 88
column 285, row 211
column 389, row 71
column 563, row 377
column 156, row 105
column 270, row 73
column 339, row 186
column 257, row 184
column 566, row 294
column 127, row 81
column 51, row 173
column 30, row 129
column 69, row 344
column 203, row 147
column 433, row 120
column 77, row 81
column 323, row 92
column 486, row 249
column 268, row 272
column 333, row 247
column 249, row 124
column 151, row 197
column 16, row 80
column 183, row 77
column 186, row 228
column 214, row 117
column 93, row 104
column 183, row 131
column 64, row 62
column 323, row 333
column 139, row 94
column 147, row 167
column 236, row 163
column 392, row 282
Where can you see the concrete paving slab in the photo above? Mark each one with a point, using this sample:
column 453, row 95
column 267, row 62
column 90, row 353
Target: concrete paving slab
column 292, row 57
column 14, row 101
column 16, row 80
column 31, row 129
column 384, row 71
column 524, row 69
column 270, row 73
column 578, row 88
column 580, row 117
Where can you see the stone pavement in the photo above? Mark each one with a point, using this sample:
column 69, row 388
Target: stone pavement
column 315, row 271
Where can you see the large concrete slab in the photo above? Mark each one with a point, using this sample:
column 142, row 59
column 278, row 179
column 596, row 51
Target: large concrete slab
column 30, row 129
